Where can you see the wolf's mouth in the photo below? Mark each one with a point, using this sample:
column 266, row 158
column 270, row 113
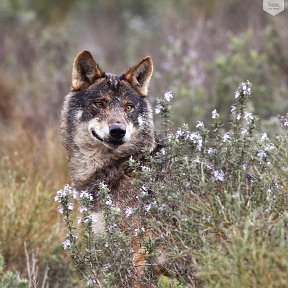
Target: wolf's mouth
column 97, row 136
column 110, row 142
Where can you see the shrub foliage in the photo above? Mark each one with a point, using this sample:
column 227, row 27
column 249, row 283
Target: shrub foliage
column 211, row 210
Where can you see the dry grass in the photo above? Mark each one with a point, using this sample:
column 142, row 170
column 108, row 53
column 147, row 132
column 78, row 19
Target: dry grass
column 32, row 168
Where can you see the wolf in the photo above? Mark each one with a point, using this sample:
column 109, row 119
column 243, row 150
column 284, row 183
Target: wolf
column 105, row 120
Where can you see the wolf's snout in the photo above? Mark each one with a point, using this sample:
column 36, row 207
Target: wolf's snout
column 117, row 131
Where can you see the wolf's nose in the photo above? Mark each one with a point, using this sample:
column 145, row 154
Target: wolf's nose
column 117, row 131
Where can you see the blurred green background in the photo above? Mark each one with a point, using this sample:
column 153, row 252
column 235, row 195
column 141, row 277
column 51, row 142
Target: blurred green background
column 202, row 50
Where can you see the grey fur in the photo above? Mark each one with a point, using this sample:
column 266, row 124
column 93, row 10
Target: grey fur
column 91, row 161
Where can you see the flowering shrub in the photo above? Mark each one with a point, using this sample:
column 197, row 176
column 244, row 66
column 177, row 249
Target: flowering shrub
column 210, row 200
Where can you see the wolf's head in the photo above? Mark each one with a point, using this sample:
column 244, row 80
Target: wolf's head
column 105, row 113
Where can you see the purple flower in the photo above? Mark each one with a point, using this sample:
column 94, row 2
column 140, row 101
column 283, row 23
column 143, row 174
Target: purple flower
column 226, row 137
column 248, row 117
column 237, row 94
column 66, row 244
column 262, row 154
column 264, row 137
column 70, row 206
column 218, row 175
column 215, row 114
column 210, row 150
column 83, row 209
column 199, row 124
column 128, row 211
column 168, row 96
column 158, row 109
column 85, row 195
column 60, row 209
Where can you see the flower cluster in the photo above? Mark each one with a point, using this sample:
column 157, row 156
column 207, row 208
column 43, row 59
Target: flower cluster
column 65, row 193
column 168, row 96
column 162, row 104
column 284, row 120
column 128, row 211
column 215, row 114
column 69, row 241
column 266, row 147
column 226, row 137
column 84, row 195
column 248, row 117
column 64, row 197
column 67, row 244
column 195, row 137
column 218, row 175
column 157, row 109
column 200, row 124
column 243, row 90
column 86, row 202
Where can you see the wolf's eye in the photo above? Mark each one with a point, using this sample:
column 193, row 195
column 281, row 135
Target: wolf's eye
column 98, row 105
column 129, row 107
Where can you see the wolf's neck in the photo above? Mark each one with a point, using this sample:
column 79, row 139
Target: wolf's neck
column 90, row 167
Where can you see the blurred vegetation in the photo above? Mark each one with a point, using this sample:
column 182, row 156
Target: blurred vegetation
column 10, row 279
column 201, row 51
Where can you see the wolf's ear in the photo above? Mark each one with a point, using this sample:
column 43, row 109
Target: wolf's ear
column 85, row 71
column 139, row 75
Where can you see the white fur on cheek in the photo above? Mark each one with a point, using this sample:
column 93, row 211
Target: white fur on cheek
column 101, row 129
column 79, row 114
